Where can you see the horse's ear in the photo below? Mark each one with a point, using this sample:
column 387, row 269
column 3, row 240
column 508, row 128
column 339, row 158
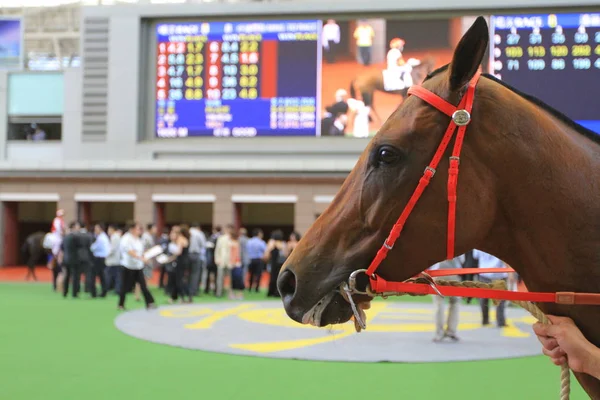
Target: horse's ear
column 468, row 54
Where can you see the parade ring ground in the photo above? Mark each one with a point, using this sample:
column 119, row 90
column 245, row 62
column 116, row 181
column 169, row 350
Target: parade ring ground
column 53, row 348
column 396, row 332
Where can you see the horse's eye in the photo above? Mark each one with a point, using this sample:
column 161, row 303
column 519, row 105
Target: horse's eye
column 387, row 155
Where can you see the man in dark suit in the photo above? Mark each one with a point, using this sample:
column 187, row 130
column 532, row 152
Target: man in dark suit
column 86, row 259
column 70, row 260
column 470, row 262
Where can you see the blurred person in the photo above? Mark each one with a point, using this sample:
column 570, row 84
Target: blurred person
column 211, row 269
column 338, row 128
column 255, row 248
column 113, row 260
column 163, row 241
column 292, row 242
column 331, row 39
column 197, row 257
column 334, row 113
column 341, row 104
column 394, row 55
column 148, row 239
column 84, row 240
column 364, row 35
column 486, row 260
column 450, row 331
column 176, row 265
column 237, row 268
column 132, row 256
column 101, row 249
column 469, row 262
column 275, row 255
column 243, row 239
column 223, row 259
column 58, row 231
column 358, row 117
column 38, row 134
column 70, row 261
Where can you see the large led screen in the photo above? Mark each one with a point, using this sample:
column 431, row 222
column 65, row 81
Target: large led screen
column 345, row 77
column 555, row 57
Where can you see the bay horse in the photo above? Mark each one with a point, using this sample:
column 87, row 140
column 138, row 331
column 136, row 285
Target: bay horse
column 33, row 251
column 372, row 81
column 528, row 193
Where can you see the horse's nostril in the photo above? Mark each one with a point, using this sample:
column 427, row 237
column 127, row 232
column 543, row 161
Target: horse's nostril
column 286, row 283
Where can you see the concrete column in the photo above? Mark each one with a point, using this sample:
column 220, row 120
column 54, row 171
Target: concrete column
column 85, row 213
column 67, row 203
column 223, row 209
column 159, row 216
column 237, row 215
column 144, row 211
column 304, row 212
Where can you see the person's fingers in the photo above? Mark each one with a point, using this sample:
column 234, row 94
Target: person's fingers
column 547, row 342
column 556, row 352
column 556, row 320
column 546, row 329
column 559, row 360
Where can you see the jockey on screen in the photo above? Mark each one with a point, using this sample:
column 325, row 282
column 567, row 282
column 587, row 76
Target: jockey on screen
column 396, row 62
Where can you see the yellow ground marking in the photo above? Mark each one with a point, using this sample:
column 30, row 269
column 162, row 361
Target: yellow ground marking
column 271, row 347
column 209, row 321
column 401, row 320
column 344, row 330
column 185, row 312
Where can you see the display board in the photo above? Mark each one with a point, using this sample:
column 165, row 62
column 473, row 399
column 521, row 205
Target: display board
column 258, row 78
column 555, row 57
column 11, row 42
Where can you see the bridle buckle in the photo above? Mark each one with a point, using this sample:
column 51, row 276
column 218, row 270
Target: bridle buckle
column 461, row 117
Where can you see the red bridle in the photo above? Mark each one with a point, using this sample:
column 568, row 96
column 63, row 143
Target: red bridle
column 460, row 118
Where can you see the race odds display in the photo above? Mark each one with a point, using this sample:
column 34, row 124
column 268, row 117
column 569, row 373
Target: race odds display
column 237, row 78
column 555, row 57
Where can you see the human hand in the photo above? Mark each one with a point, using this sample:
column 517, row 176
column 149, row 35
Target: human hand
column 563, row 342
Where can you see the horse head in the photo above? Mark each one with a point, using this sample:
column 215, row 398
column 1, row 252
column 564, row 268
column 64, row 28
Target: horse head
column 348, row 234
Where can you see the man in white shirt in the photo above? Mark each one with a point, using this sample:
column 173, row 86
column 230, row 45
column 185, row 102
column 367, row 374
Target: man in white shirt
column 197, row 251
column 113, row 260
column 222, row 257
column 132, row 254
column 330, row 38
column 438, row 301
column 486, row 260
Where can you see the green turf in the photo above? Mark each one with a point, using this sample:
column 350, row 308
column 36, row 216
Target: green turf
column 55, row 348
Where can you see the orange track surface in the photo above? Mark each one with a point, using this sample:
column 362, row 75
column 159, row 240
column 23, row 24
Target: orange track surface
column 17, row 274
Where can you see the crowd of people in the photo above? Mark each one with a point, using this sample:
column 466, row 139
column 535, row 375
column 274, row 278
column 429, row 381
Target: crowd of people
column 123, row 259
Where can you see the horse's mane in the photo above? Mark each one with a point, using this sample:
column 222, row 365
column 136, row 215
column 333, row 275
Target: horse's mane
column 551, row 110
